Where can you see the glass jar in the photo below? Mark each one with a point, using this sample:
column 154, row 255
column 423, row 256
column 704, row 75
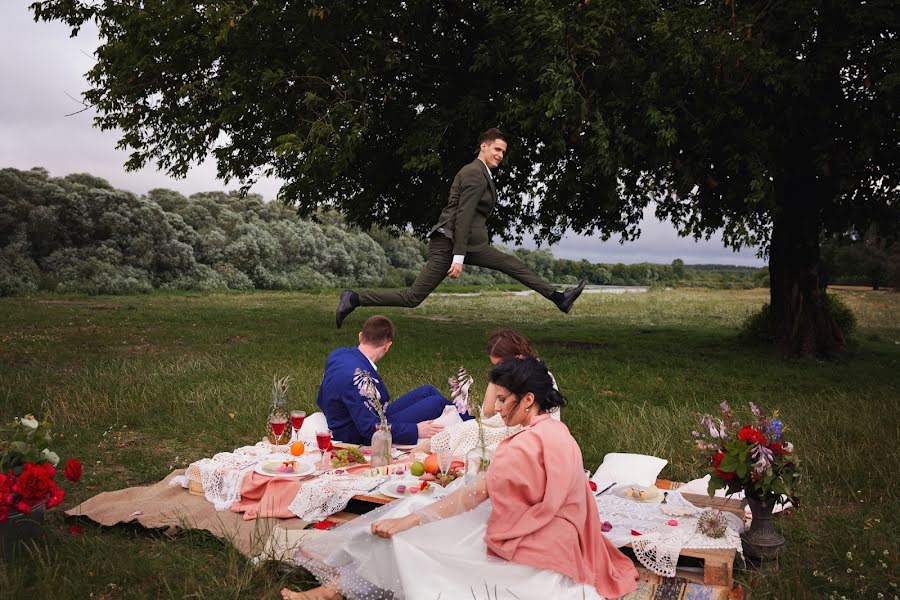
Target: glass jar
column 478, row 459
column 381, row 445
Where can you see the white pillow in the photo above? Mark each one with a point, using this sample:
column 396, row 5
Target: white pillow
column 313, row 423
column 449, row 417
column 619, row 467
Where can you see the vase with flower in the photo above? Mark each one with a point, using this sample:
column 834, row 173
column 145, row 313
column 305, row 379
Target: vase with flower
column 754, row 457
column 478, row 459
column 28, row 483
column 381, row 439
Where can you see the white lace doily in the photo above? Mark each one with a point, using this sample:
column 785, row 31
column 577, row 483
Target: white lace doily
column 328, row 494
column 462, row 437
column 659, row 544
column 222, row 475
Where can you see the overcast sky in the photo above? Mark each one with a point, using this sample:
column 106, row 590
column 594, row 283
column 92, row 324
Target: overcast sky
column 41, row 66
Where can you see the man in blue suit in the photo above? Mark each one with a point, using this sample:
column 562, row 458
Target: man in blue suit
column 349, row 418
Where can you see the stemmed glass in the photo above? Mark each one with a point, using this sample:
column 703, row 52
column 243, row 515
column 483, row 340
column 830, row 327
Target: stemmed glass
column 297, row 417
column 445, row 459
column 323, row 440
column 278, row 426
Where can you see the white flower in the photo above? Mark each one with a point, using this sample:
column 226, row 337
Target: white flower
column 29, row 421
column 50, row 457
column 788, row 447
column 849, row 556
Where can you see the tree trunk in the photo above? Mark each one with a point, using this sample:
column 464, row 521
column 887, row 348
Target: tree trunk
column 801, row 319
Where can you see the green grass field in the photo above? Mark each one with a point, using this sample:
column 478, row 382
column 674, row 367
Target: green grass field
column 137, row 386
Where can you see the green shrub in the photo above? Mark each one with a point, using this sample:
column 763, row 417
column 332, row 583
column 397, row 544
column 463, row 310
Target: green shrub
column 759, row 326
column 842, row 314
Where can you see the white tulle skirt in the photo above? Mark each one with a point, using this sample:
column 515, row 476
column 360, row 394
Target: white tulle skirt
column 442, row 560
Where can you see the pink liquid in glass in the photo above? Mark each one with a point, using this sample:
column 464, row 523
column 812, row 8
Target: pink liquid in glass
column 278, row 427
column 297, row 422
column 323, row 440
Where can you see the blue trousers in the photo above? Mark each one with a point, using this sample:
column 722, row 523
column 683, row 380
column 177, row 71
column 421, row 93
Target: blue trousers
column 421, row 404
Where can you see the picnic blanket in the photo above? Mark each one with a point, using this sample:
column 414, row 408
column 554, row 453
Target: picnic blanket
column 164, row 506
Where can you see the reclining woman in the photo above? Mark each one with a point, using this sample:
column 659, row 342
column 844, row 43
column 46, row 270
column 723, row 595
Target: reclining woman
column 529, row 528
column 460, row 438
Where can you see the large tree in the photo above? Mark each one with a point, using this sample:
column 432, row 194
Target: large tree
column 774, row 121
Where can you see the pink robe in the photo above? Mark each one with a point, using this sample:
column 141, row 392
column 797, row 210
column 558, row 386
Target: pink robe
column 544, row 514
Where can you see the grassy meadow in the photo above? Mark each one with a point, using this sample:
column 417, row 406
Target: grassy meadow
column 137, row 386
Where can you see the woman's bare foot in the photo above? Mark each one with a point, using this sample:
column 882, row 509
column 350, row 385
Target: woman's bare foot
column 320, row 593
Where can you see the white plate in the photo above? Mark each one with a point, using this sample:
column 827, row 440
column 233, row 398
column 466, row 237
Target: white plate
column 389, row 488
column 653, row 494
column 404, row 447
column 267, row 468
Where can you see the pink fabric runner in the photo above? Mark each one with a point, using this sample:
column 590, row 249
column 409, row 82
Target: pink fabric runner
column 263, row 496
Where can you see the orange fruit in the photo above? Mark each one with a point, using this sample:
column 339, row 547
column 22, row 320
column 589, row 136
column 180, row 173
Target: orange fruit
column 431, row 464
column 297, row 448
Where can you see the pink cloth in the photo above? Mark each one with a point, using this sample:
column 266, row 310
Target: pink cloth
column 544, row 514
column 263, row 496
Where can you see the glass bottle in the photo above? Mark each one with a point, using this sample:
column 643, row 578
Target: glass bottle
column 381, row 445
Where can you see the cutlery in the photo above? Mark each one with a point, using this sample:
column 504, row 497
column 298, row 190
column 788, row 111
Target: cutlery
column 605, row 489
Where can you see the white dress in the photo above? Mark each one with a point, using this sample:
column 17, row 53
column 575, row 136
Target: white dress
column 442, row 560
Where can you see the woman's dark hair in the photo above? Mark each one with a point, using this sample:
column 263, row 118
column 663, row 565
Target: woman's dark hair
column 508, row 343
column 523, row 375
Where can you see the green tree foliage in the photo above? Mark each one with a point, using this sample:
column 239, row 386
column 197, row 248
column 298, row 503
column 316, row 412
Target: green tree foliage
column 772, row 122
column 78, row 234
column 867, row 259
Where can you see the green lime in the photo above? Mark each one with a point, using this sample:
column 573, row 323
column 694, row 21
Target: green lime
column 417, row 469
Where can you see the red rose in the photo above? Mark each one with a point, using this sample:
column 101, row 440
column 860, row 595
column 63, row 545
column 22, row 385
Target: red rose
column 56, row 496
column 4, row 513
column 751, row 436
column 34, row 484
column 777, row 448
column 717, row 460
column 73, row 470
column 23, row 507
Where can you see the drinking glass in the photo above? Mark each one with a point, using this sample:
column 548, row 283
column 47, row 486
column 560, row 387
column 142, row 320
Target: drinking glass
column 445, row 459
column 323, row 440
column 278, row 425
column 297, row 417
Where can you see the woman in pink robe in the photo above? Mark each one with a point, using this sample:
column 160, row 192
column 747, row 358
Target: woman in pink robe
column 541, row 518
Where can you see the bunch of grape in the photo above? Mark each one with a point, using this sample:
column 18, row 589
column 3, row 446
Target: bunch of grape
column 347, row 456
column 451, row 476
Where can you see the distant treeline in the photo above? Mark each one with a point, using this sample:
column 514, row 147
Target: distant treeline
column 79, row 234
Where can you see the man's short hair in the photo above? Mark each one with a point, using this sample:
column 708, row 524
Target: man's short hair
column 490, row 135
column 377, row 330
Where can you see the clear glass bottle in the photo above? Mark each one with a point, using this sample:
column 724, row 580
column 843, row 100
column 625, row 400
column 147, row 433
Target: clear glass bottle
column 381, row 445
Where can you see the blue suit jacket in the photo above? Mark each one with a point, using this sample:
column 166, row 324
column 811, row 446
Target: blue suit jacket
column 345, row 409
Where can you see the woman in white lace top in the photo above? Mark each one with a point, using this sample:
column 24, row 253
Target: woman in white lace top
column 462, row 437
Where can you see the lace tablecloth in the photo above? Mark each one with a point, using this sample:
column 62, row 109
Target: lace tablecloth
column 659, row 544
column 221, row 476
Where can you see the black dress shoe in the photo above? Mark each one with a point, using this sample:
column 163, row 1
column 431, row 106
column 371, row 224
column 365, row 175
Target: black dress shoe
column 570, row 296
column 348, row 302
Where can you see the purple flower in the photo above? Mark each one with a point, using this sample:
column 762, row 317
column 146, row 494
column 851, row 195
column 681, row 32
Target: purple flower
column 365, row 383
column 763, row 458
column 459, row 390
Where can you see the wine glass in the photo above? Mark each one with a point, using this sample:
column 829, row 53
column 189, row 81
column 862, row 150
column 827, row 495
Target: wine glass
column 445, row 459
column 323, row 440
column 278, row 425
column 297, row 417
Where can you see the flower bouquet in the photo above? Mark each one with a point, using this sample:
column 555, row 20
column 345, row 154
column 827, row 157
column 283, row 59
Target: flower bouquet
column 754, row 457
column 381, row 439
column 28, row 481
